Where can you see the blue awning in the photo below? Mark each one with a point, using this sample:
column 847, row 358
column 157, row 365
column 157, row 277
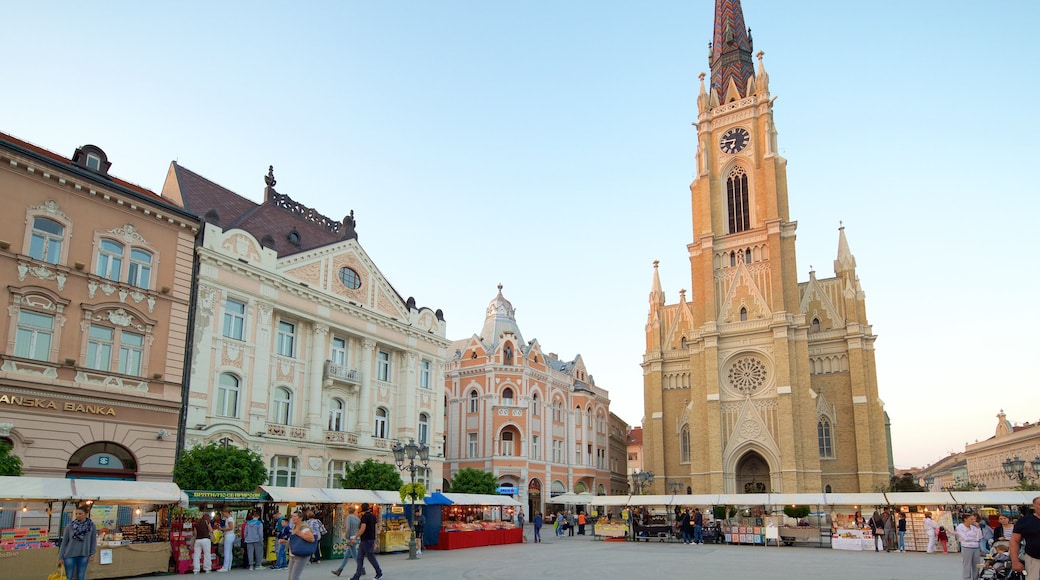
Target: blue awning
column 437, row 498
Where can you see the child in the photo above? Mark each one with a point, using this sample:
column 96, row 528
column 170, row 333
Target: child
column 943, row 539
column 1000, row 560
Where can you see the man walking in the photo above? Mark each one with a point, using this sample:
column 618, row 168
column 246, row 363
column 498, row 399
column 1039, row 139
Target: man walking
column 1027, row 528
column 698, row 526
column 353, row 525
column 889, row 526
column 367, row 536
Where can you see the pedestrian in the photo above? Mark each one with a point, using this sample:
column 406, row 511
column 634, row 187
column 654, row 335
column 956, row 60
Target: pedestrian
column 572, row 522
column 420, row 529
column 520, row 523
column 1004, row 528
column 581, row 523
column 931, row 530
column 537, row 521
column 556, row 524
column 78, row 544
column 1026, row 528
column 253, row 540
column 302, row 543
column 943, row 539
column 353, row 525
column 282, row 532
column 877, row 527
column 203, row 545
column 318, row 529
column 367, row 536
column 684, row 526
column 969, row 535
column 987, row 535
column 889, row 527
column 698, row 526
column 901, row 529
column 227, row 527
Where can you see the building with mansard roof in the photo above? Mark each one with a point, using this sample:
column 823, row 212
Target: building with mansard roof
column 756, row 382
column 303, row 350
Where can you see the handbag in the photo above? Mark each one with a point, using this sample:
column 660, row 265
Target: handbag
column 58, row 574
column 300, row 547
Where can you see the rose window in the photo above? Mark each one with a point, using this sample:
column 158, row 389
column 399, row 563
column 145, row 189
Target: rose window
column 747, row 374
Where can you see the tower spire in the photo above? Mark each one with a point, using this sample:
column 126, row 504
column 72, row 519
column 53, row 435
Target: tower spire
column 731, row 49
column 845, row 262
column 656, row 294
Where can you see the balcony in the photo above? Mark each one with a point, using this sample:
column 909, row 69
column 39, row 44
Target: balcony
column 335, row 372
column 288, row 431
column 341, row 438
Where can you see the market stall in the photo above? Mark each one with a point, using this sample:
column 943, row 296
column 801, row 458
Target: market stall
column 606, row 526
column 474, row 520
column 849, row 513
column 313, row 499
column 197, row 502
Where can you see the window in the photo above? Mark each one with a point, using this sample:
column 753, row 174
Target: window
column 472, row 446
column 577, row 453
column 558, row 412
column 534, row 405
column 823, row 432
column 815, row 325
column 227, row 395
column 286, row 338
column 339, row 351
column 140, row 272
column 473, row 401
column 577, row 417
column 507, row 443
column 336, row 415
column 557, row 451
column 46, row 240
column 424, row 429
column 534, row 447
column 507, row 397
column 282, row 406
column 234, row 319
column 743, row 314
column 382, row 423
column 588, row 418
column 737, row 200
column 349, row 278
column 383, row 366
column 601, row 455
column 684, row 444
column 283, row 471
column 33, row 338
column 337, row 470
column 93, row 162
column 99, row 348
column 131, row 351
column 110, row 260
column 424, row 374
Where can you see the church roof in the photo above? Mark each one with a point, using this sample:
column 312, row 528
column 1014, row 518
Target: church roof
column 730, row 49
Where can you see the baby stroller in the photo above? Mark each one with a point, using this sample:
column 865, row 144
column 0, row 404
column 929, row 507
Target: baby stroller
column 996, row 565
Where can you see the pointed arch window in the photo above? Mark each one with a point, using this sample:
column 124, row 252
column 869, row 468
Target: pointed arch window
column 737, row 200
column 534, row 405
column 815, row 325
column 473, row 401
column 743, row 314
column 684, row 444
column 823, row 432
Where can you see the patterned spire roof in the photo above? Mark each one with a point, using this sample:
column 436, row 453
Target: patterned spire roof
column 730, row 49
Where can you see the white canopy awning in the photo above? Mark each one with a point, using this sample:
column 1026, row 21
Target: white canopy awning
column 610, row 500
column 935, row 498
column 353, row 496
column 807, row 499
column 1008, row 497
column 480, row 499
column 583, row 498
column 98, row 490
column 653, row 499
column 297, row 494
column 34, row 488
column 855, row 499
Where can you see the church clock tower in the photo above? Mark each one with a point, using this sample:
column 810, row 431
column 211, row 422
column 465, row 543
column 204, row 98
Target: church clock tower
column 737, row 396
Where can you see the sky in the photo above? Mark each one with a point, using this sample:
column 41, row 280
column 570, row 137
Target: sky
column 548, row 146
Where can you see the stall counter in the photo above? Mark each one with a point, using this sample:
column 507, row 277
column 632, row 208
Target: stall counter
column 477, row 538
column 850, row 539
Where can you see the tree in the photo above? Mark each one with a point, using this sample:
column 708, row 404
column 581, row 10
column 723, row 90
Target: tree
column 9, row 464
column 905, row 483
column 220, row 468
column 470, row 480
column 372, row 474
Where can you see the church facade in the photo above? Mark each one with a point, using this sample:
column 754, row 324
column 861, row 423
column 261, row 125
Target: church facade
column 756, row 382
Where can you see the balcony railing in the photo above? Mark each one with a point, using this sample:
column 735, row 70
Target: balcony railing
column 341, row 373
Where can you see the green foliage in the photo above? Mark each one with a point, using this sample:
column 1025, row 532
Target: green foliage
column 719, row 512
column 969, row 486
column 215, row 467
column 1028, row 485
column 470, row 480
column 796, row 511
column 372, row 474
column 905, row 483
column 9, row 464
column 409, row 490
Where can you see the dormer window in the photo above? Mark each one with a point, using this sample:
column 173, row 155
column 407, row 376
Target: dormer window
column 93, row 162
column 294, row 237
column 92, row 158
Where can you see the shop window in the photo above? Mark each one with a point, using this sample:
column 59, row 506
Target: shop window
column 227, row 395
column 234, row 319
column 283, row 471
column 34, row 335
column 46, row 240
column 382, row 429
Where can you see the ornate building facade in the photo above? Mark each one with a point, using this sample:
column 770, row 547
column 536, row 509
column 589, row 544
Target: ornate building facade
column 97, row 283
column 303, row 351
column 537, row 422
column 756, row 382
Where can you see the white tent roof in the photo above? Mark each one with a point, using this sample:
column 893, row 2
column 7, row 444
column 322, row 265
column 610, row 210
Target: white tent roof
column 652, row 500
column 480, row 499
column 123, row 492
column 352, row 496
column 610, row 500
column 919, row 498
column 34, row 488
column 993, row 497
column 808, row 499
column 297, row 494
column 575, row 498
column 855, row 499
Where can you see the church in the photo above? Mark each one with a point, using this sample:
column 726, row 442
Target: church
column 756, row 382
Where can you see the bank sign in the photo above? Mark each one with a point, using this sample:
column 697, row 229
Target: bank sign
column 507, row 489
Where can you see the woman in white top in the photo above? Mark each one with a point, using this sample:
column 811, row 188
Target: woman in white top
column 969, row 535
column 929, row 528
column 228, row 527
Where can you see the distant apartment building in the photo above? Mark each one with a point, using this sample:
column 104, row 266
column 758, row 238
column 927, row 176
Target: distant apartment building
column 303, row 350
column 96, row 278
column 618, row 455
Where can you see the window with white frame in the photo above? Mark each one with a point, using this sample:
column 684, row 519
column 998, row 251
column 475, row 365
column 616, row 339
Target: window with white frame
column 473, row 401
column 601, row 457
column 282, row 406
column 424, row 374
column 93, row 162
column 337, row 470
column 424, row 429
column 471, row 450
column 283, row 471
column 577, row 416
column 577, row 453
column 534, row 405
column 557, row 447
column 227, row 395
column 336, row 408
column 338, row 354
column 100, row 341
column 557, row 410
column 534, row 447
column 506, row 441
column 234, row 319
column 382, row 424
column 131, row 353
column 34, row 335
column 46, row 240
column 110, row 259
column 383, row 366
column 139, row 272
column 286, row 338
column 507, row 397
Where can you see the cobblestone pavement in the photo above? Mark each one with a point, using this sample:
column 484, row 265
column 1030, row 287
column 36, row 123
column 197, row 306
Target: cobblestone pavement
column 580, row 558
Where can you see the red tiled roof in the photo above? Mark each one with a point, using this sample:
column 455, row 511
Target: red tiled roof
column 635, row 436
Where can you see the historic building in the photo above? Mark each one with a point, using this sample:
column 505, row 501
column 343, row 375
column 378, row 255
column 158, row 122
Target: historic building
column 303, row 351
column 537, row 422
column 617, row 455
column 97, row 284
column 984, row 464
column 755, row 381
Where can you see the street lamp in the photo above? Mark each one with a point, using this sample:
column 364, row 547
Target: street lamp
column 409, row 452
column 675, row 486
column 641, row 479
column 1016, row 468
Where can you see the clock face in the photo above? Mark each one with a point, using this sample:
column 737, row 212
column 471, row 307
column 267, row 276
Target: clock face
column 734, row 140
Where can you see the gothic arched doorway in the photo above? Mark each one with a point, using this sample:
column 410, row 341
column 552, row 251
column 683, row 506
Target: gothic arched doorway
column 752, row 474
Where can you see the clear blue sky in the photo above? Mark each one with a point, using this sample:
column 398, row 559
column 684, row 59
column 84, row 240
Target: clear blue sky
column 547, row 145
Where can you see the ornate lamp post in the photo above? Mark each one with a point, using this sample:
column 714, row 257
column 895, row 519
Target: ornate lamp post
column 1014, row 468
column 409, row 452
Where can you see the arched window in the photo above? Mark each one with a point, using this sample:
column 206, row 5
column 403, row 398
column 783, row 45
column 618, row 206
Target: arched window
column 827, row 489
column 747, row 256
column 507, row 397
column 815, row 325
column 743, row 314
column 336, row 408
column 577, row 416
column 737, row 200
column 507, row 443
column 140, row 272
column 102, row 460
column 46, row 241
column 382, row 423
column 823, row 432
column 227, row 395
column 684, row 444
column 424, row 429
column 473, row 401
column 534, row 405
column 732, row 258
column 588, row 418
column 282, row 407
column 110, row 259
column 507, row 354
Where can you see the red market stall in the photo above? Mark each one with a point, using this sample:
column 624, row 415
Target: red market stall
column 476, row 520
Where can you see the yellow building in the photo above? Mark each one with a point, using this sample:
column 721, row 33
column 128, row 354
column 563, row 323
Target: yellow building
column 756, row 382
